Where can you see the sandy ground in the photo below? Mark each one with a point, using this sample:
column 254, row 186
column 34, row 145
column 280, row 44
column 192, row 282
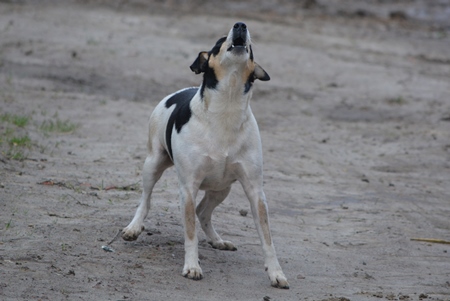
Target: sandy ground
column 356, row 139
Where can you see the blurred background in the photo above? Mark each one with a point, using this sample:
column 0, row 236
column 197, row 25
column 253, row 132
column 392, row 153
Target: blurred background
column 433, row 12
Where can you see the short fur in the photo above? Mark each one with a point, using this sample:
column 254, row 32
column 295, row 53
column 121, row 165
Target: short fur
column 211, row 136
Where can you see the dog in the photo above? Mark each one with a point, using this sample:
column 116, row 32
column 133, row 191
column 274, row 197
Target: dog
column 210, row 135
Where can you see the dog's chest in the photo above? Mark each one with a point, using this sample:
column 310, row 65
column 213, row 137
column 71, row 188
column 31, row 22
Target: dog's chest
column 212, row 145
column 220, row 170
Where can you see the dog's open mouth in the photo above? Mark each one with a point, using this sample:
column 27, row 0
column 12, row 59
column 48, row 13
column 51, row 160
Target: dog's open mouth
column 238, row 44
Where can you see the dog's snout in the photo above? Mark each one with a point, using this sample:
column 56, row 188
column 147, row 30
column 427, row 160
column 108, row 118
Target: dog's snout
column 240, row 26
column 239, row 34
column 239, row 38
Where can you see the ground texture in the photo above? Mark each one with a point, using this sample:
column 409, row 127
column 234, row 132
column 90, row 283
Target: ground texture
column 355, row 124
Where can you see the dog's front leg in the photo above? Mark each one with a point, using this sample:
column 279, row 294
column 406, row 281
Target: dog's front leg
column 255, row 194
column 191, row 267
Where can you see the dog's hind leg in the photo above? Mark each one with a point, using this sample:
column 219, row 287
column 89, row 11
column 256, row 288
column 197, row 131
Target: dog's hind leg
column 204, row 210
column 154, row 166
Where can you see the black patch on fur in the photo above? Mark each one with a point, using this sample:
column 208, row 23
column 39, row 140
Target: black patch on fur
column 249, row 83
column 251, row 53
column 180, row 115
column 209, row 80
column 209, row 77
column 216, row 49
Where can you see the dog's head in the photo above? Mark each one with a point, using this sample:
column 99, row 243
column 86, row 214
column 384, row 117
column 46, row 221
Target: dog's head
column 231, row 54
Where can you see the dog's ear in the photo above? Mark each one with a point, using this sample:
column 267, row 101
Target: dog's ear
column 199, row 65
column 260, row 73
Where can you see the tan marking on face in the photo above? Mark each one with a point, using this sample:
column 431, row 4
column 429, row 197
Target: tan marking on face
column 264, row 222
column 189, row 215
column 248, row 70
column 214, row 63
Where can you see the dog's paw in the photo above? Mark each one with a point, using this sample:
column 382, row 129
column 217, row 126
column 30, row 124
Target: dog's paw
column 278, row 280
column 131, row 233
column 194, row 273
column 223, row 245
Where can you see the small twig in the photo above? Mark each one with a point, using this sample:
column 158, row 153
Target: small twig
column 107, row 247
column 115, row 237
column 432, row 240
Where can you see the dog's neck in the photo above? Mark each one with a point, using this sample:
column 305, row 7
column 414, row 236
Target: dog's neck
column 228, row 103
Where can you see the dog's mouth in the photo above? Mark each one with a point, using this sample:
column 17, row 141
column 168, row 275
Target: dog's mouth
column 238, row 44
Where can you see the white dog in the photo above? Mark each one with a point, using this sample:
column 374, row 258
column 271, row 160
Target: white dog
column 211, row 136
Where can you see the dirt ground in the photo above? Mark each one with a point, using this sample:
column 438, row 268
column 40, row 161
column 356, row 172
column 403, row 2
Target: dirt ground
column 355, row 124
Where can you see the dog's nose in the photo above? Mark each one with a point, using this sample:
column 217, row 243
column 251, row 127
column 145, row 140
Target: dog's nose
column 240, row 26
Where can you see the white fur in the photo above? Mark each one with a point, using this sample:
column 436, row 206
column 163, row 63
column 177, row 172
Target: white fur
column 220, row 144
